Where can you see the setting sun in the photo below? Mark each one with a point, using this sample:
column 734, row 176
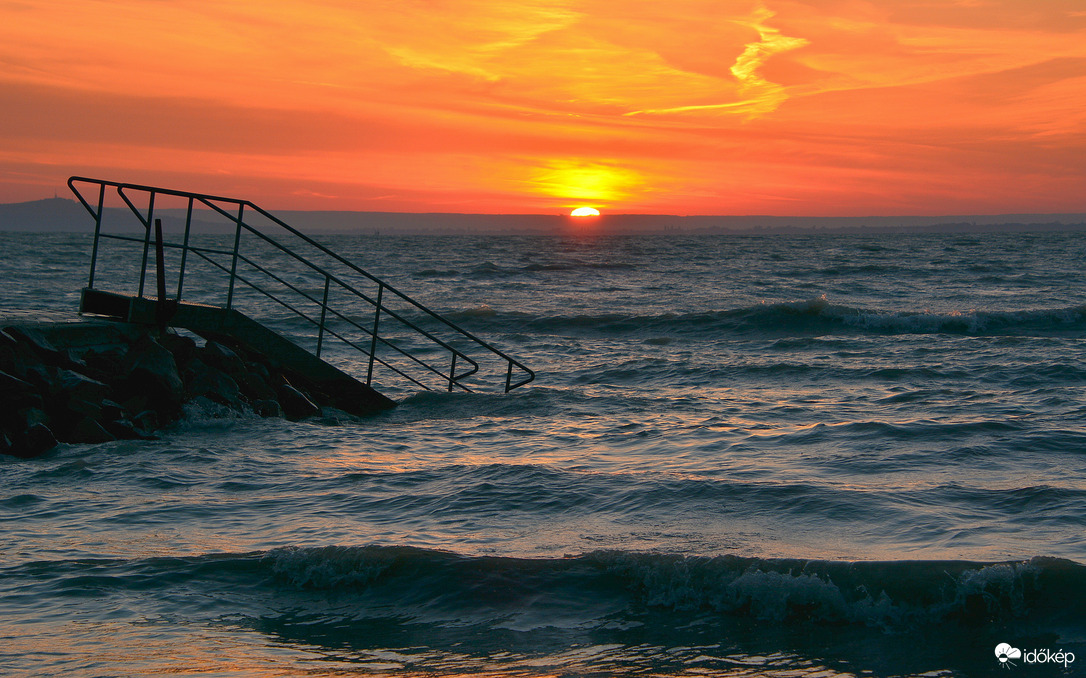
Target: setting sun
column 585, row 212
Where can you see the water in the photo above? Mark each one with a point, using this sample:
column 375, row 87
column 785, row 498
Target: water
column 743, row 456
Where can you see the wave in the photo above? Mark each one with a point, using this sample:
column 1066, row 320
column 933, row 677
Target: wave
column 436, row 273
column 503, row 494
column 884, row 594
column 811, row 317
column 600, row 587
column 492, row 270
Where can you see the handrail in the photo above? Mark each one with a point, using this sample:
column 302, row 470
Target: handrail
column 382, row 311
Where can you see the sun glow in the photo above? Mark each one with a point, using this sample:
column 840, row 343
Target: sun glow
column 585, row 212
column 581, row 181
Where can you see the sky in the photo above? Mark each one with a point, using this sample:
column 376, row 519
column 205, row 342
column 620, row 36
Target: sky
column 780, row 107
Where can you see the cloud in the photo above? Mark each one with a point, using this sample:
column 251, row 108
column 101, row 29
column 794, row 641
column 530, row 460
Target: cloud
column 469, row 37
column 759, row 96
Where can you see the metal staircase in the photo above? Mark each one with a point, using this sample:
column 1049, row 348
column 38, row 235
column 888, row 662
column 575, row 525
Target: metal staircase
column 379, row 329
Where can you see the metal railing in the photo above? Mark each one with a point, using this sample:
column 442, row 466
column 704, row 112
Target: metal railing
column 336, row 321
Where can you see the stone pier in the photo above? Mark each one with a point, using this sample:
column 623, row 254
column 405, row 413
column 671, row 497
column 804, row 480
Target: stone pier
column 67, row 378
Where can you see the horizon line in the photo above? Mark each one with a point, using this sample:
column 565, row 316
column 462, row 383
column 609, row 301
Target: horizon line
column 605, row 214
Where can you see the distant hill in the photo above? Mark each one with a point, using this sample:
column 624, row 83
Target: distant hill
column 49, row 215
column 59, row 215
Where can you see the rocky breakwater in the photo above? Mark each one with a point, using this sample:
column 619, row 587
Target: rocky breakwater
column 128, row 385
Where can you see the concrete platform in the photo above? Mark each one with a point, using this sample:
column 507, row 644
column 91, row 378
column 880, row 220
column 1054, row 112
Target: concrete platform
column 230, row 327
column 66, row 330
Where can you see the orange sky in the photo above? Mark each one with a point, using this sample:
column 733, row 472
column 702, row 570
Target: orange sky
column 790, row 107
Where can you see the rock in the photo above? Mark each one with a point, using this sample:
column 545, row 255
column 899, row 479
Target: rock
column 17, row 402
column 123, row 429
column 182, row 347
column 114, row 419
column 8, row 361
column 73, row 395
column 296, row 405
column 26, row 433
column 105, row 366
column 37, row 342
column 259, row 370
column 255, row 388
column 20, row 358
column 31, row 342
column 128, row 391
column 267, row 408
column 34, row 442
column 223, row 358
column 145, row 423
column 82, row 408
column 7, row 352
column 87, row 430
column 152, row 373
column 42, row 377
column 137, row 403
column 77, row 386
column 112, row 411
column 32, row 416
column 73, row 361
column 210, row 408
column 152, row 357
column 10, row 384
column 202, row 380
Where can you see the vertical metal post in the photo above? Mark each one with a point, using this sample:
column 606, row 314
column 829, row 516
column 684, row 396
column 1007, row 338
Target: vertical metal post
column 160, row 261
column 452, row 372
column 146, row 241
column 234, row 265
column 184, row 251
column 324, row 311
column 97, row 231
column 508, row 376
column 160, row 273
column 376, row 327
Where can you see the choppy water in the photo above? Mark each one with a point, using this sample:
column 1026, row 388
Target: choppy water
column 743, row 456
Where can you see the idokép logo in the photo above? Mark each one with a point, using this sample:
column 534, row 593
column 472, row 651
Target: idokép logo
column 1005, row 653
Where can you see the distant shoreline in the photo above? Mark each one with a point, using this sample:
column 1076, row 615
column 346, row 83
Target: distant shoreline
column 60, row 215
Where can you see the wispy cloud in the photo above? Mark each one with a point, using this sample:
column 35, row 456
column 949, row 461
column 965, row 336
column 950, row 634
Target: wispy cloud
column 759, row 96
column 469, row 37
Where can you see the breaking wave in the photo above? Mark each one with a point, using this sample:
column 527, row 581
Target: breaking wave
column 604, row 586
column 811, row 317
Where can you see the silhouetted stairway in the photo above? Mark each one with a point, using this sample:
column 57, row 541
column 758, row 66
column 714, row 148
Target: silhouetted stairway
column 402, row 337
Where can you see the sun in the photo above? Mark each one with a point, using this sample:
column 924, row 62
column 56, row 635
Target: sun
column 585, row 212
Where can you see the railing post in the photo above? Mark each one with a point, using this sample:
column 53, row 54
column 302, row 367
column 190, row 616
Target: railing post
column 376, row 327
column 146, row 240
column 324, row 312
column 234, row 263
column 508, row 376
column 452, row 372
column 184, row 251
column 97, row 231
column 162, row 312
